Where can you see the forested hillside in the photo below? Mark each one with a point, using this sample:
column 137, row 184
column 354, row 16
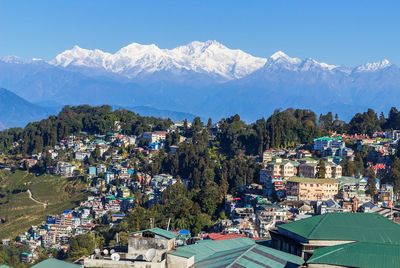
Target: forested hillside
column 215, row 159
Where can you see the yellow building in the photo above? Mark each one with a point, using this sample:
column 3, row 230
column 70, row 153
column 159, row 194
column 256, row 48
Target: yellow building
column 309, row 189
column 309, row 170
column 282, row 168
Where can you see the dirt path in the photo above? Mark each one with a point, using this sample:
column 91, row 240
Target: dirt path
column 33, row 199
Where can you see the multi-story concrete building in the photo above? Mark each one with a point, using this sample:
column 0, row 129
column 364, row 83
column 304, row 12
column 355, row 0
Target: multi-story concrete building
column 146, row 249
column 155, row 136
column 309, row 170
column 309, row 189
column 282, row 168
column 323, row 143
column 267, row 156
column 268, row 216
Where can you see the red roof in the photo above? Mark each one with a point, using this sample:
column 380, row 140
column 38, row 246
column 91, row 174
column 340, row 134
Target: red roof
column 219, row 236
column 379, row 166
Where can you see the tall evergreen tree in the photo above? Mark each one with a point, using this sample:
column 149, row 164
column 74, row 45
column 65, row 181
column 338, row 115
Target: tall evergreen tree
column 321, row 170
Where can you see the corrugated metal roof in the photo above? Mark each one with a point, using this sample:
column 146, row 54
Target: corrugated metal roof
column 261, row 256
column 358, row 254
column 159, row 232
column 240, row 252
column 206, row 248
column 51, row 263
column 311, row 180
column 365, row 227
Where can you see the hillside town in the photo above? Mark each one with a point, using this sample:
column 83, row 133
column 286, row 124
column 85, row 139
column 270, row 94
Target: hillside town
column 294, row 185
column 199, row 134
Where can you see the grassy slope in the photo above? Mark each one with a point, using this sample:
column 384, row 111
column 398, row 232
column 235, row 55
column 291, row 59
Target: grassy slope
column 21, row 212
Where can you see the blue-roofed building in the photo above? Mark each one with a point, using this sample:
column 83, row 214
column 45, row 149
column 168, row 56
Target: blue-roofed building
column 155, row 146
column 51, row 219
column 183, row 236
column 67, row 211
column 92, row 171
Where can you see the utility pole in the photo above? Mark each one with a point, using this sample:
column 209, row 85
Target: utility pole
column 169, row 221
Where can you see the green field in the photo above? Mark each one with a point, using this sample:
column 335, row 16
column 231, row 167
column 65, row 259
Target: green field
column 20, row 212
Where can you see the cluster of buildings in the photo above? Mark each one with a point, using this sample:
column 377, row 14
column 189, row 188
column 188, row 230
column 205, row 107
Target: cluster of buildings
column 109, row 164
column 332, row 146
column 334, row 240
column 290, row 179
column 291, row 218
column 296, row 178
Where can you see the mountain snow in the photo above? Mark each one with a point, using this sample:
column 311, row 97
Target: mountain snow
column 374, row 66
column 279, row 60
column 202, row 78
column 134, row 60
column 281, row 57
column 209, row 58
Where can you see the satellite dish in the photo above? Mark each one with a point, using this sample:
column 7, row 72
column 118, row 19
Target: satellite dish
column 112, row 251
column 150, row 254
column 97, row 251
column 115, row 257
column 105, row 251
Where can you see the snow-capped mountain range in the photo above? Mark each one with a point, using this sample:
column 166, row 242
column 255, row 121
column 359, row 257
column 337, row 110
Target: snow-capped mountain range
column 202, row 78
column 137, row 60
column 210, row 57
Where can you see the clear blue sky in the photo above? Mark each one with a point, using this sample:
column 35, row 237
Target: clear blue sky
column 339, row 32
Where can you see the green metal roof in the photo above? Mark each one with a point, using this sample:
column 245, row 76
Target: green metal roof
column 365, row 227
column 309, row 159
column 348, row 180
column 359, row 254
column 159, row 232
column 326, row 138
column 261, row 256
column 283, row 162
column 235, row 253
column 205, row 248
column 311, row 180
column 51, row 263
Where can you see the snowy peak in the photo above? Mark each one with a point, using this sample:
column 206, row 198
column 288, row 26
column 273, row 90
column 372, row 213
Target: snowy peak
column 196, row 47
column 134, row 50
column 280, row 56
column 17, row 60
column 81, row 57
column 209, row 57
column 214, row 58
column 310, row 64
column 280, row 60
column 12, row 59
column 374, row 66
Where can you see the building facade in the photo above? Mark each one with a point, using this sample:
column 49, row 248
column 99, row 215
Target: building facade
column 309, row 189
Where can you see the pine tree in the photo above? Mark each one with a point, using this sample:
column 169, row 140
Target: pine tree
column 370, row 174
column 395, row 174
column 321, row 170
column 209, row 123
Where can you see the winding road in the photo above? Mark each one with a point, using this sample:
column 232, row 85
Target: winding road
column 33, row 199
